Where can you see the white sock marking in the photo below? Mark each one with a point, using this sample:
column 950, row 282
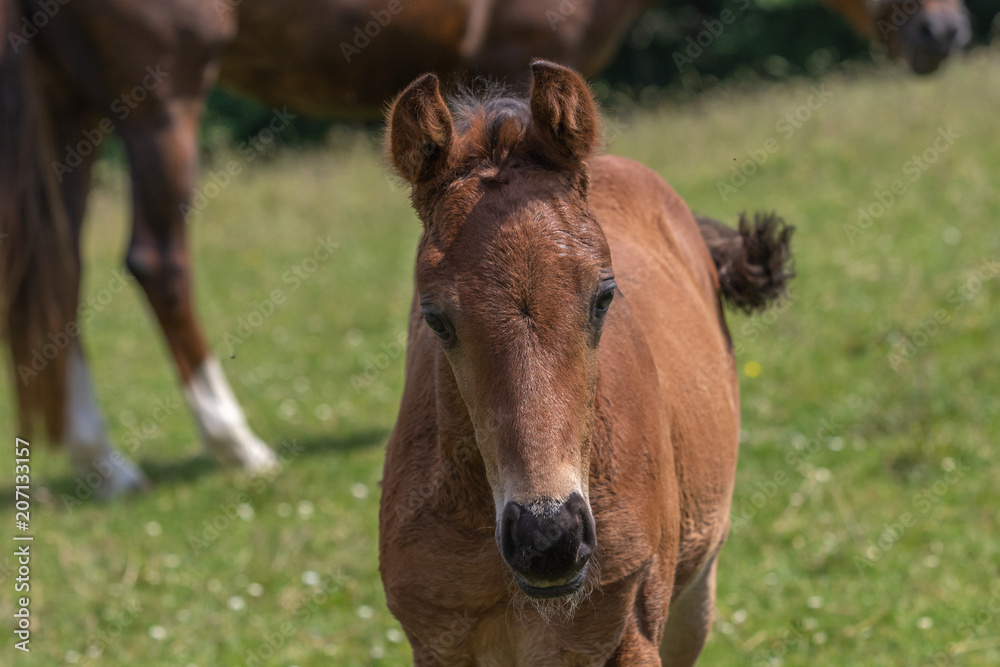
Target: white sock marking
column 221, row 421
column 104, row 471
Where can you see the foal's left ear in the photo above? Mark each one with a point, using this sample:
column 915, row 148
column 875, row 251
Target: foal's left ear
column 420, row 131
column 563, row 114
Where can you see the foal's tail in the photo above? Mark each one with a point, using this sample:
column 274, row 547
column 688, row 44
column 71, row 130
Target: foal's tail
column 753, row 261
column 38, row 267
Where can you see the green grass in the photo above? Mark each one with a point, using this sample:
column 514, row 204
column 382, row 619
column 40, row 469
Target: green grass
column 293, row 562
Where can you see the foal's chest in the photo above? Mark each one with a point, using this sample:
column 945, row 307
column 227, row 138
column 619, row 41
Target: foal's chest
column 512, row 636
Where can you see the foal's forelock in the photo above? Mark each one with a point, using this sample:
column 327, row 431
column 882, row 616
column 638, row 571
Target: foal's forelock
column 491, row 127
column 493, row 138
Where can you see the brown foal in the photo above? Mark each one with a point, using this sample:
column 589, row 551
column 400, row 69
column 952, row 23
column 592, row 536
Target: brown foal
column 557, row 487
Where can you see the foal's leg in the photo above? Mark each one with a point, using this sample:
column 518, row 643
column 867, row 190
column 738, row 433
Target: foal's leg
column 690, row 620
column 163, row 155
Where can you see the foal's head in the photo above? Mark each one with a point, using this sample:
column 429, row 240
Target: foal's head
column 514, row 279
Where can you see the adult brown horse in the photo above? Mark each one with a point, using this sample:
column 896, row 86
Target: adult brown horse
column 922, row 32
column 568, row 433
column 73, row 72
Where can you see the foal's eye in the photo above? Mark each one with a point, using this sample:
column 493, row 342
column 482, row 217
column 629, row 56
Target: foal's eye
column 604, row 300
column 437, row 324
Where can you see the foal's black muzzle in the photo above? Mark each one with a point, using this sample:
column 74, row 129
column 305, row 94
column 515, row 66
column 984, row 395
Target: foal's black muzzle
column 547, row 545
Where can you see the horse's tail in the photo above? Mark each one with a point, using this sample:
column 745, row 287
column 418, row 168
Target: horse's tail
column 38, row 267
column 753, row 261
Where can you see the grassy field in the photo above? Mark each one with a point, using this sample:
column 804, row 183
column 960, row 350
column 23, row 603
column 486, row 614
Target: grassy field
column 865, row 523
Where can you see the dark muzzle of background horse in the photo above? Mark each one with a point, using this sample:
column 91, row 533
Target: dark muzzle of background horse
column 934, row 34
column 942, row 32
column 548, row 545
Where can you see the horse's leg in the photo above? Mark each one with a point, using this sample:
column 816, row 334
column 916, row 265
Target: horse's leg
column 690, row 620
column 84, row 434
column 163, row 154
column 86, row 437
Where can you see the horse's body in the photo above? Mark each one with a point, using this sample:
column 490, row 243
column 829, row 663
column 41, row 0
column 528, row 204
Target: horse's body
column 526, row 430
column 144, row 69
column 347, row 59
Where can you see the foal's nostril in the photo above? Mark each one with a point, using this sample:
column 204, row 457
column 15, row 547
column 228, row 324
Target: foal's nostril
column 508, row 527
column 579, row 509
column 545, row 542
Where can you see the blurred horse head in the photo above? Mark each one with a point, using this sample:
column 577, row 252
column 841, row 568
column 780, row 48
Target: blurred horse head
column 924, row 33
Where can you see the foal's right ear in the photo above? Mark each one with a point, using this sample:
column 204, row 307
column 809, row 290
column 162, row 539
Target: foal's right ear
column 420, row 131
column 564, row 117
